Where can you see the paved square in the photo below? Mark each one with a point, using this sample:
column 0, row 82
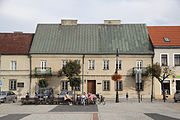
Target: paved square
column 75, row 108
column 160, row 117
column 13, row 116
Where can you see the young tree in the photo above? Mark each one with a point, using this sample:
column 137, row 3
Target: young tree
column 42, row 83
column 157, row 71
column 72, row 71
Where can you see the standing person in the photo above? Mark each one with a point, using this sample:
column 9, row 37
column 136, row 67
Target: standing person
column 83, row 98
column 68, row 98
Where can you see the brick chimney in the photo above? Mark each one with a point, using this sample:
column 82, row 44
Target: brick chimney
column 112, row 22
column 68, row 22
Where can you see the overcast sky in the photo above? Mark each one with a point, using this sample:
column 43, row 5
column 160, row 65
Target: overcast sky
column 24, row 15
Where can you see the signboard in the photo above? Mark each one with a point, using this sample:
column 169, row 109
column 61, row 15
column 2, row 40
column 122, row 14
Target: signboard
column 0, row 83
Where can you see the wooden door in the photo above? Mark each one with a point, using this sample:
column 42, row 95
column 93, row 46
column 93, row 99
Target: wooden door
column 91, row 88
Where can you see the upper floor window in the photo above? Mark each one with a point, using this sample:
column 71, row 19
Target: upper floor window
column 13, row 65
column 139, row 64
column 64, row 62
column 43, row 65
column 164, row 59
column 118, row 65
column 64, row 85
column 176, row 59
column 106, row 64
column 12, row 84
column 106, row 85
column 91, row 64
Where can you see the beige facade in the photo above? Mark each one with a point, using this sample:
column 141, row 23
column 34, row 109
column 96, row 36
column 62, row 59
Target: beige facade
column 15, row 74
column 171, row 80
column 98, row 74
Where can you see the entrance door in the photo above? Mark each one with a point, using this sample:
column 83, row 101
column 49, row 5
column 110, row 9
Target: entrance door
column 177, row 84
column 91, row 88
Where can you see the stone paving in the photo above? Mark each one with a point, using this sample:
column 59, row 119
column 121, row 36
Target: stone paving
column 125, row 110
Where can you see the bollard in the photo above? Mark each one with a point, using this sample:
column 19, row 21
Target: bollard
column 141, row 97
column 127, row 96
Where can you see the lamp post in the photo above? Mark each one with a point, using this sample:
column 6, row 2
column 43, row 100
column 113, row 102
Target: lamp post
column 116, row 72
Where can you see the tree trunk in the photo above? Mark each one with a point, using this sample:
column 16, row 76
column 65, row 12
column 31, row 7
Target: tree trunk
column 163, row 91
column 74, row 96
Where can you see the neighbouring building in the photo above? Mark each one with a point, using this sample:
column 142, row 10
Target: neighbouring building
column 15, row 62
column 95, row 45
column 166, row 41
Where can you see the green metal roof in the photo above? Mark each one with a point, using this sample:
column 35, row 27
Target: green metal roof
column 91, row 39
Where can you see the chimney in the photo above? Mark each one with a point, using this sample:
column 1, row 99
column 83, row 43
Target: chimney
column 18, row 32
column 68, row 22
column 112, row 22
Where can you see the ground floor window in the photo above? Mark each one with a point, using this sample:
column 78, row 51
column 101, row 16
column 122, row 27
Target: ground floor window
column 177, row 84
column 106, row 85
column 167, row 87
column 64, row 85
column 119, row 85
column 140, row 86
column 12, row 84
column 77, row 88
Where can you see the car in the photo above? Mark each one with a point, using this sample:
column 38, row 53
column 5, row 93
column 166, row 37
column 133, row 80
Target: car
column 45, row 93
column 63, row 93
column 177, row 96
column 7, row 96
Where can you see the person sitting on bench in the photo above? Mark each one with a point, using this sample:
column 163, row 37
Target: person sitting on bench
column 68, row 98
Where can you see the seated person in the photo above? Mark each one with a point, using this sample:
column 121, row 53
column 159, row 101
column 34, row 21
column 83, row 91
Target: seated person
column 83, row 98
column 68, row 98
column 90, row 98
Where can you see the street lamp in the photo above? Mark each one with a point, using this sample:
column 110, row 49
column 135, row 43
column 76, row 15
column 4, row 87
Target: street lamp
column 116, row 72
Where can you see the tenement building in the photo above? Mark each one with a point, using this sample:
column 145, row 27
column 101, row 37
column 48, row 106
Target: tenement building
column 166, row 41
column 15, row 62
column 94, row 46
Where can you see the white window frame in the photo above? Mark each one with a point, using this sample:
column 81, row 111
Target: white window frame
column 167, row 58
column 106, row 65
column 91, row 65
column 174, row 59
column 137, row 64
column 64, row 62
column 14, row 87
column 175, row 83
column 106, row 85
column 13, row 65
column 118, row 85
column 43, row 65
column 63, row 85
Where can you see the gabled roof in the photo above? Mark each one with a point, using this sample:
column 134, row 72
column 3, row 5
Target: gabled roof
column 158, row 33
column 91, row 39
column 15, row 43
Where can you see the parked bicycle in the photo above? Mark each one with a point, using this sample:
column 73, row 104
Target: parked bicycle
column 100, row 99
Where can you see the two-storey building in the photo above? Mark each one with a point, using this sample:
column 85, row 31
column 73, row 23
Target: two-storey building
column 15, row 62
column 94, row 46
column 166, row 42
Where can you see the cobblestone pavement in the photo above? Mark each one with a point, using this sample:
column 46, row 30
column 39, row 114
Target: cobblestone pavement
column 125, row 110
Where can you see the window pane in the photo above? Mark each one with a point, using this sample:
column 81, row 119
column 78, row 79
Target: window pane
column 177, row 59
column 164, row 60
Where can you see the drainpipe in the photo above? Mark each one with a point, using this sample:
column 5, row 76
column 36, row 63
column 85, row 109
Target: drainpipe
column 30, row 59
column 83, row 73
column 152, row 90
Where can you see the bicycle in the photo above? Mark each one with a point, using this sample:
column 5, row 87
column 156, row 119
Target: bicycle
column 100, row 99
